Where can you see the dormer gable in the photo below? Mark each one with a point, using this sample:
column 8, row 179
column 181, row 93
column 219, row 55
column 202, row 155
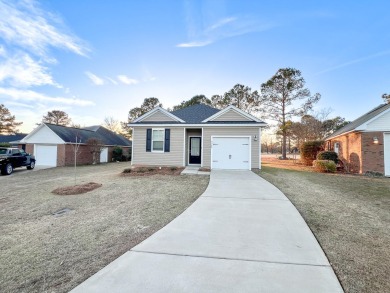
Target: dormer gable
column 158, row 114
column 232, row 114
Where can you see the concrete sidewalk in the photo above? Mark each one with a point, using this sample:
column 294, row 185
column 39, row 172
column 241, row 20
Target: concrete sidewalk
column 241, row 235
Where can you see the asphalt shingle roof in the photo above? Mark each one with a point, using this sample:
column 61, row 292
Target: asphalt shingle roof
column 12, row 137
column 361, row 120
column 195, row 114
column 68, row 134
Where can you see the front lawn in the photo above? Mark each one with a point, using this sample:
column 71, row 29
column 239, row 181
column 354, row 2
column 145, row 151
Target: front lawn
column 350, row 217
column 52, row 243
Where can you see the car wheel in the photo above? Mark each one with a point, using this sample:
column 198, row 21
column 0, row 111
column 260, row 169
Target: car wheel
column 32, row 165
column 7, row 169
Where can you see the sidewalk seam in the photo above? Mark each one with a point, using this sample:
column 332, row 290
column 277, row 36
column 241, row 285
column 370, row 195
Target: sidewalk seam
column 227, row 258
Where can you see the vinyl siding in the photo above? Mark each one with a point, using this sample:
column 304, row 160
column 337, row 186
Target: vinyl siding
column 142, row 157
column 157, row 117
column 380, row 124
column 231, row 131
column 232, row 115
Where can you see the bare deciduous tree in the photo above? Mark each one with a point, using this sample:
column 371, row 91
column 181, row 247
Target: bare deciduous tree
column 95, row 146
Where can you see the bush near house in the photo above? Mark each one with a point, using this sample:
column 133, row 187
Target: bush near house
column 5, row 144
column 309, row 151
column 117, row 154
column 327, row 155
column 325, row 166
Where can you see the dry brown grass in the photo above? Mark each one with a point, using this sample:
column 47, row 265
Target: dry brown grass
column 291, row 164
column 148, row 171
column 76, row 189
column 350, row 217
column 45, row 251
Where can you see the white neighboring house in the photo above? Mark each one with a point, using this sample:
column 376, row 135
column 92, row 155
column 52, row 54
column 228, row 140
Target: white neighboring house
column 53, row 145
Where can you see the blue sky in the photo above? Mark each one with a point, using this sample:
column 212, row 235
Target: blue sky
column 94, row 59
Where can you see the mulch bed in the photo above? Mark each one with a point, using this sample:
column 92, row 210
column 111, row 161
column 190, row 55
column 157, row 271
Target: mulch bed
column 147, row 171
column 76, row 189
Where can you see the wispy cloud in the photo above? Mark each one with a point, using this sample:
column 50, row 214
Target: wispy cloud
column 23, row 71
column 25, row 24
column 126, row 80
column 203, row 30
column 354, row 61
column 112, row 80
column 94, row 78
column 33, row 96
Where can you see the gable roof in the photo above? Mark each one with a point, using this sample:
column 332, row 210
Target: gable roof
column 354, row 125
column 68, row 134
column 158, row 109
column 12, row 137
column 227, row 109
column 196, row 113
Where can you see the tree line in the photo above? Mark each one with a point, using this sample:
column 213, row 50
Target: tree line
column 281, row 99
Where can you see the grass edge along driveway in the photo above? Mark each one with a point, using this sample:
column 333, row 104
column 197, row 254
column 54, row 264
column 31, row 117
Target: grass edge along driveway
column 41, row 252
column 349, row 215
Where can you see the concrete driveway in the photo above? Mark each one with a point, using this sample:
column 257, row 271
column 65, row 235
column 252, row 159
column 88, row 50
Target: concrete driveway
column 241, row 235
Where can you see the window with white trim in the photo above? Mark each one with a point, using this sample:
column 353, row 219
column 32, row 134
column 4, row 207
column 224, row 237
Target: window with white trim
column 158, row 140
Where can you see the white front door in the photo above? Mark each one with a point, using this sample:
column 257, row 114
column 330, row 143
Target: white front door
column 45, row 155
column 230, row 153
column 387, row 153
column 104, row 155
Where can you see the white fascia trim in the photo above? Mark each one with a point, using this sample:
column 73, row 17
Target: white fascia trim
column 231, row 107
column 263, row 124
column 365, row 124
column 36, row 130
column 151, row 112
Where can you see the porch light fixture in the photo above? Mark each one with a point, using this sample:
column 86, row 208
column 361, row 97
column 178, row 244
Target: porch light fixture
column 375, row 140
column 255, row 138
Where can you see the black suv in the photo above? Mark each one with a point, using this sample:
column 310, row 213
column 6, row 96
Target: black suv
column 11, row 158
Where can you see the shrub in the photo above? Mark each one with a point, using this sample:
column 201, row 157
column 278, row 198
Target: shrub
column 309, row 151
column 173, row 169
column 117, row 154
column 127, row 170
column 5, row 144
column 327, row 166
column 325, row 155
column 129, row 157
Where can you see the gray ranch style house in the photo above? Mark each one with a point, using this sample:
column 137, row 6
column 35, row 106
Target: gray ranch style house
column 198, row 135
column 364, row 144
column 53, row 145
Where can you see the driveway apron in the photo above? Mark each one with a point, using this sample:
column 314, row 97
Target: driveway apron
column 241, row 235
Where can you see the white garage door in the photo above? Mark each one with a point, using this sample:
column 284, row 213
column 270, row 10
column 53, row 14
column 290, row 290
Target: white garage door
column 387, row 154
column 104, row 155
column 230, row 153
column 46, row 155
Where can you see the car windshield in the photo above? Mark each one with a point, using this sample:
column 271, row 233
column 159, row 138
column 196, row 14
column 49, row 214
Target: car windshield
column 3, row 151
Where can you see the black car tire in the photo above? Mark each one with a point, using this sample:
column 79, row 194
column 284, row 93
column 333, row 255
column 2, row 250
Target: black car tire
column 31, row 166
column 7, row 169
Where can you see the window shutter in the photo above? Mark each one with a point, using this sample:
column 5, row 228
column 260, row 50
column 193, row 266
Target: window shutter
column 149, row 140
column 167, row 145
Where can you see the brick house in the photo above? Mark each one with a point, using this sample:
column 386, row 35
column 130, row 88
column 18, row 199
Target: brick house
column 364, row 144
column 53, row 145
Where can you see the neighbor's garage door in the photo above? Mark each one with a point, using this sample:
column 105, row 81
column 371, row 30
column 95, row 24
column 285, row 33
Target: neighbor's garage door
column 46, row 155
column 387, row 154
column 230, row 153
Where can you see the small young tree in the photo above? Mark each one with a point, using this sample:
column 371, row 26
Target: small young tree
column 8, row 125
column 280, row 95
column 386, row 98
column 56, row 117
column 95, row 147
column 76, row 147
